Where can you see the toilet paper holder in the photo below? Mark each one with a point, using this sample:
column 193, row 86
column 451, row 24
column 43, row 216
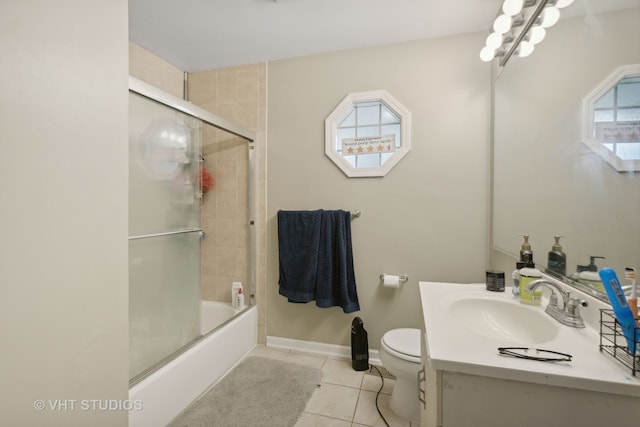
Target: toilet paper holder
column 402, row 278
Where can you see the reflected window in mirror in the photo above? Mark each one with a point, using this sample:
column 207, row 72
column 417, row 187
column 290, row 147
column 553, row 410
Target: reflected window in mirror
column 612, row 119
column 367, row 134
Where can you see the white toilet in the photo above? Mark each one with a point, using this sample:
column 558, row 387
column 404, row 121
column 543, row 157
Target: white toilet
column 400, row 354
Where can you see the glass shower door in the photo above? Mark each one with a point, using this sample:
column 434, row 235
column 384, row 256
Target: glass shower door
column 164, row 232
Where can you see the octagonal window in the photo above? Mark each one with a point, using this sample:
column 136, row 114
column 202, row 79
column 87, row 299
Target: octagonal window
column 367, row 134
column 612, row 119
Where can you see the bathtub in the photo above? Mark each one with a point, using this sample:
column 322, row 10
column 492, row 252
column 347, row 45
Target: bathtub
column 169, row 390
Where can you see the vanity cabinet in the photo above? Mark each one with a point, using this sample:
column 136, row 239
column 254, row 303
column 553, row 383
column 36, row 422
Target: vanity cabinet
column 469, row 384
column 428, row 381
column 463, row 400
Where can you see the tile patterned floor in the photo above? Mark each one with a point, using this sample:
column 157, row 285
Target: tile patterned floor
column 345, row 398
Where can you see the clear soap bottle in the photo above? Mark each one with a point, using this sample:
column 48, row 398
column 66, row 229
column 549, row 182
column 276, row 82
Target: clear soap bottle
column 515, row 287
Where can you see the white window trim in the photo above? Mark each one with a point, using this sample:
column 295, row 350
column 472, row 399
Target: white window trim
column 588, row 125
column 342, row 111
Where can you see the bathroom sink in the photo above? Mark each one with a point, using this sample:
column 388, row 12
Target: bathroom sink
column 506, row 321
column 465, row 325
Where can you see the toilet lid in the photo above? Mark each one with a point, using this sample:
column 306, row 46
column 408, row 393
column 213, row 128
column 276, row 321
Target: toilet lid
column 404, row 340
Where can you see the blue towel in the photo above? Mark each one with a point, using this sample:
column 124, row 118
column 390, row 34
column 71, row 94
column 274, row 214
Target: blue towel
column 316, row 260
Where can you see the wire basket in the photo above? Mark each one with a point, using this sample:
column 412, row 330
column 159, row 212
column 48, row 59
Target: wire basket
column 613, row 342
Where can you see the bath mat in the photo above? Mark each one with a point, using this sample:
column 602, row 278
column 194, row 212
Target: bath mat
column 257, row 392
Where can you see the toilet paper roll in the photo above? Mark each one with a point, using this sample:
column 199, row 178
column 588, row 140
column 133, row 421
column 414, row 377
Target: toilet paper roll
column 391, row 281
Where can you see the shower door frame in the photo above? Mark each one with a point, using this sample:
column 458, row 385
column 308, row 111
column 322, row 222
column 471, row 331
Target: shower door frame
column 154, row 94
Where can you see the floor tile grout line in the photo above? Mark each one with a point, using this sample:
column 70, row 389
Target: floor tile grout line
column 341, row 385
column 355, row 408
column 328, row 416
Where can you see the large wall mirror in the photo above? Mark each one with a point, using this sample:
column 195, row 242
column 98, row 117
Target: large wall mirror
column 547, row 181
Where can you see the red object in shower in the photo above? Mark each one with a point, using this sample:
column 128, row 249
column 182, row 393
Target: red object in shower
column 206, row 180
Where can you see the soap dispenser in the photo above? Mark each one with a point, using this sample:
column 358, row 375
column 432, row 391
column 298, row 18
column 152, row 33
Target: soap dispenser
column 526, row 254
column 588, row 274
column 557, row 261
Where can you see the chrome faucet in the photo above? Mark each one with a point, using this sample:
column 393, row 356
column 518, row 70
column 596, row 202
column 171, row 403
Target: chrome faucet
column 569, row 314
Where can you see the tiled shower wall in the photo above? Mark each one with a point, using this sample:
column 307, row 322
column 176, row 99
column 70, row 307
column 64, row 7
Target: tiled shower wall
column 237, row 94
column 224, row 215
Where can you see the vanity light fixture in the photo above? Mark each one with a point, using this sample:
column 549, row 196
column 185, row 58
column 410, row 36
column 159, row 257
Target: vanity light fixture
column 520, row 26
column 504, row 23
column 549, row 17
column 513, row 7
column 536, row 34
column 525, row 49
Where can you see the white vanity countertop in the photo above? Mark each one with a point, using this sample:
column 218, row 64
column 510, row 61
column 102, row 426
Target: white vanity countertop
column 452, row 345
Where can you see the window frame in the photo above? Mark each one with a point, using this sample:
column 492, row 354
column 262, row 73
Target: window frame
column 344, row 109
column 588, row 119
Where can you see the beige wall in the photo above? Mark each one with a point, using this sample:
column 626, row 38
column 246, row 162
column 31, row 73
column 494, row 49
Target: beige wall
column 154, row 70
column 63, row 180
column 427, row 218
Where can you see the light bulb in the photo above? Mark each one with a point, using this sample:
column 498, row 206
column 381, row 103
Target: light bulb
column 502, row 24
column 512, row 7
column 525, row 48
column 487, row 54
column 494, row 40
column 550, row 16
column 536, row 34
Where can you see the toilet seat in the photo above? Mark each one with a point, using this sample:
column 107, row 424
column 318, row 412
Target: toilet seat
column 403, row 343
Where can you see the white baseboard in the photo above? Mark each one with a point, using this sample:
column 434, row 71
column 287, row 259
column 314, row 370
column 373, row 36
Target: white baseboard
column 312, row 347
